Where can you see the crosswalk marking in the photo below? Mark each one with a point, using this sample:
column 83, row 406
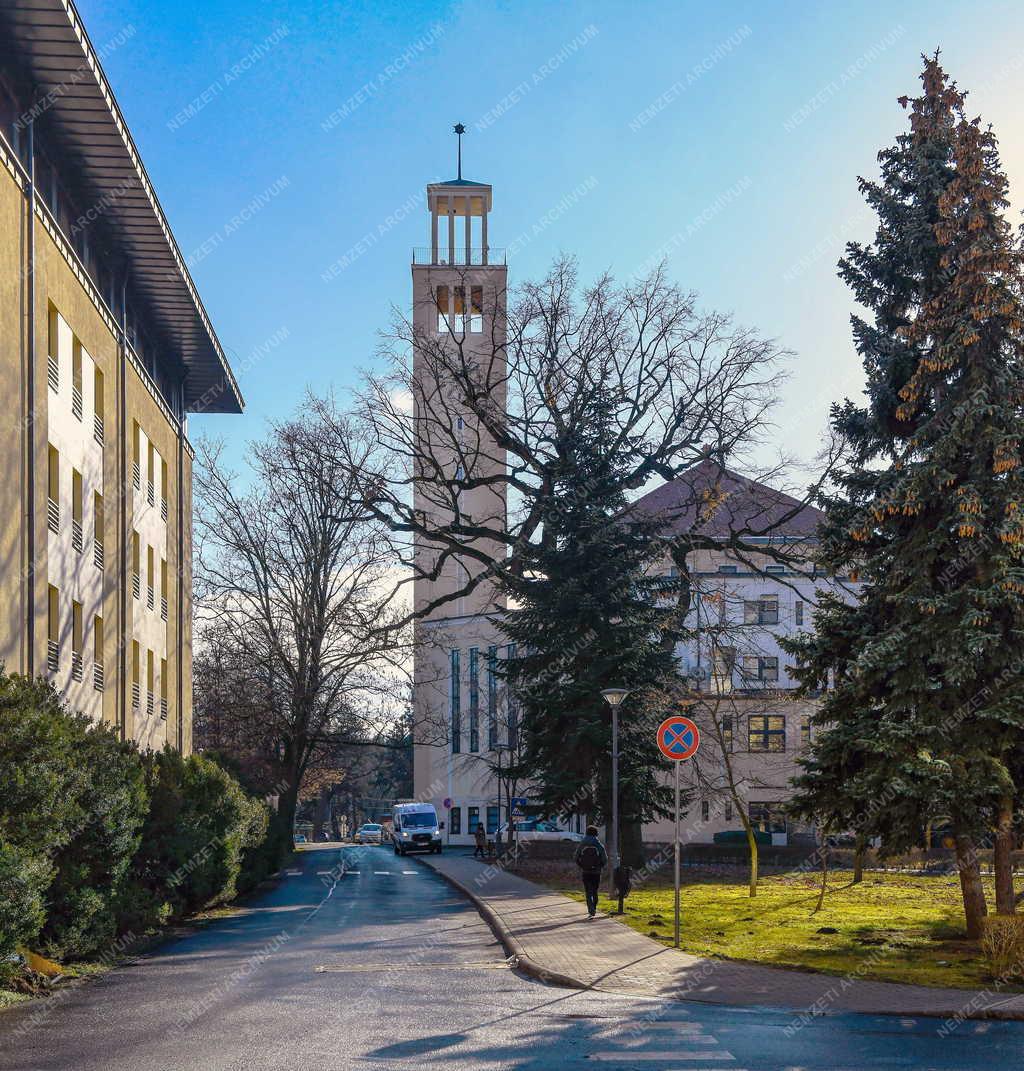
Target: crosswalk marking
column 410, row 871
column 382, row 872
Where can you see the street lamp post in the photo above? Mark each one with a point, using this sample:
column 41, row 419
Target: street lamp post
column 614, row 697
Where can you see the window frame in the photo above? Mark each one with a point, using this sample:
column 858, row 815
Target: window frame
column 772, row 730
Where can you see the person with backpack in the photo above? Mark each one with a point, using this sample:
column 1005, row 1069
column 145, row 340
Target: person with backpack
column 591, row 858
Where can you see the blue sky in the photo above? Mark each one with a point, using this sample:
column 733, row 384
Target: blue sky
column 283, row 137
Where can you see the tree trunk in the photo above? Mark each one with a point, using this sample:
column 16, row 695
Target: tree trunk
column 1006, row 903
column 975, row 908
column 858, row 859
column 631, row 847
column 751, row 845
column 824, row 876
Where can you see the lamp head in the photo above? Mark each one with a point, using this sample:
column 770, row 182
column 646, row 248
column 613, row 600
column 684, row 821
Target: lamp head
column 614, row 696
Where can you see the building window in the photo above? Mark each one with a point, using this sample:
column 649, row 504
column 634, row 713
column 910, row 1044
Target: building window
column 52, row 629
column 766, row 732
column 798, row 612
column 455, row 704
column 805, row 732
column 76, row 379
column 474, row 819
column 136, row 555
column 97, row 406
column 455, row 820
column 705, row 810
column 459, row 317
column 97, row 531
column 492, row 697
column 760, row 668
column 53, row 489
column 476, row 312
column 722, row 665
column 511, row 704
column 76, row 511
column 731, row 569
column 443, row 309
column 163, row 588
column 727, row 731
column 474, row 699
column 492, row 820
column 728, row 811
column 762, row 611
column 135, row 675
column 76, row 640
column 52, row 362
column 775, row 570
column 97, row 653
column 136, row 455
column 163, row 689
column 767, row 817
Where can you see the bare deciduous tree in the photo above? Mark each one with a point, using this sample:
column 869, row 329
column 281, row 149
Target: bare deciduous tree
column 296, row 594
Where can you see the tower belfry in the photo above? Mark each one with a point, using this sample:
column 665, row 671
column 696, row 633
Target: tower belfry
column 459, row 324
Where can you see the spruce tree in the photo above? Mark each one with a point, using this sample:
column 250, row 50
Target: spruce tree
column 590, row 615
column 925, row 702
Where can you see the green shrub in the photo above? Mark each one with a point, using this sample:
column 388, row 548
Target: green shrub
column 91, row 870
column 199, row 823
column 42, row 782
column 23, row 879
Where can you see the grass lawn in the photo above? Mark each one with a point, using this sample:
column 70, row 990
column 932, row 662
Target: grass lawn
column 890, row 927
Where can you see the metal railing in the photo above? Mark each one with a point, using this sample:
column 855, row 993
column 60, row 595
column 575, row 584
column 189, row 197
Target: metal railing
column 97, row 428
column 76, row 401
column 151, row 493
column 149, row 702
column 97, row 676
column 52, row 656
column 76, row 536
column 478, row 256
column 52, row 515
column 135, row 695
column 76, row 665
column 97, row 554
column 53, row 372
column 163, row 509
column 163, row 607
column 149, row 597
column 163, row 709
column 136, row 585
column 136, row 475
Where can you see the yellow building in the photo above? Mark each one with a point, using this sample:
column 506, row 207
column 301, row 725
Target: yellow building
column 105, row 349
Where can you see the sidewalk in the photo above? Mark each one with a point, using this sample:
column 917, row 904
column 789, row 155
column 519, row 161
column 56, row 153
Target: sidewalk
column 553, row 940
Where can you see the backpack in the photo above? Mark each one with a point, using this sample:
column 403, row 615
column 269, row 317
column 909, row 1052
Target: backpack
column 589, row 858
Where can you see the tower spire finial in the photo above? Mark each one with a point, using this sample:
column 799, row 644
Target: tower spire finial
column 460, row 130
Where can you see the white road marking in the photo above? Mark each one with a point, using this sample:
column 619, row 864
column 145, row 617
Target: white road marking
column 293, row 873
column 669, row 1057
column 382, row 872
column 410, row 871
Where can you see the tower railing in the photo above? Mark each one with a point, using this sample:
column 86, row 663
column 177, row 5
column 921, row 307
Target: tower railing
column 475, row 256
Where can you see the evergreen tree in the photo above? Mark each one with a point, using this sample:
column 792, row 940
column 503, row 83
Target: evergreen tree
column 589, row 615
column 926, row 691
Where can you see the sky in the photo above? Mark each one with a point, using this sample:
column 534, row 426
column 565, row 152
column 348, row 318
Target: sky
column 290, row 144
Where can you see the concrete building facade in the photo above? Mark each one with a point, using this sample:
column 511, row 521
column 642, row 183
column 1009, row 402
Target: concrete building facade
column 106, row 349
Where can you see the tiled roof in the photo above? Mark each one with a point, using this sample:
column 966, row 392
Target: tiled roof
column 710, row 500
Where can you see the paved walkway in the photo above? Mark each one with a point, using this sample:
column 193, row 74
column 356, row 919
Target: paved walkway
column 553, row 939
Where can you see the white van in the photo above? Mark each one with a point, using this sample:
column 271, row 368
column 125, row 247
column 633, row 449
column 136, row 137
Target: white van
column 415, row 828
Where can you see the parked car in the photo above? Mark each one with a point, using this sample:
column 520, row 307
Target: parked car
column 299, row 838
column 368, row 833
column 540, row 829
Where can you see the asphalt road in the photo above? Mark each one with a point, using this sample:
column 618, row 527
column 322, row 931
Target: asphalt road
column 387, row 967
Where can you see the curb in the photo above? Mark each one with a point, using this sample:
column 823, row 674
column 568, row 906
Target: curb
column 508, row 940
column 531, row 967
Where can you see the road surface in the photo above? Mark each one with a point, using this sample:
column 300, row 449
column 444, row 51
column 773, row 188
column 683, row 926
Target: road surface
column 388, row 967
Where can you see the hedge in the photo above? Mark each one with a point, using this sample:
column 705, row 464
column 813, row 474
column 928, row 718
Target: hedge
column 97, row 839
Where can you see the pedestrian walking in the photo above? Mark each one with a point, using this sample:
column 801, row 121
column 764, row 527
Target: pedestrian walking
column 481, row 841
column 591, row 858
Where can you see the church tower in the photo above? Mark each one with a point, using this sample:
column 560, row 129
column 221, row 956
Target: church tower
column 459, row 320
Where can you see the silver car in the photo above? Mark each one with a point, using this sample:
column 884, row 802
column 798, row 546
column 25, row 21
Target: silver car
column 540, row 829
column 368, row 833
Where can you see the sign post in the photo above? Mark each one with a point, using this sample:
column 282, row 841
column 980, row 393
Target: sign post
column 678, row 739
